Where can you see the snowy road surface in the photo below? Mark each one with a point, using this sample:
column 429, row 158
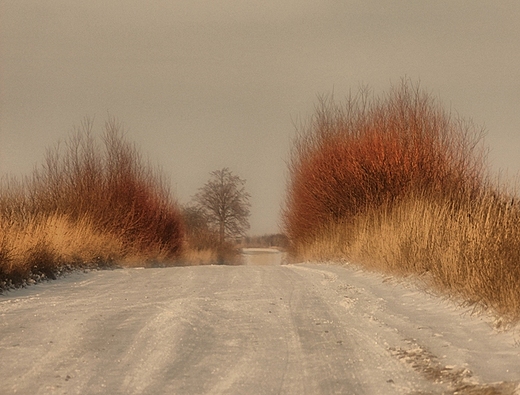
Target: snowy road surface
column 265, row 329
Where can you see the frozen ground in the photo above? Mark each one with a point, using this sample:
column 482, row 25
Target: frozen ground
column 252, row 329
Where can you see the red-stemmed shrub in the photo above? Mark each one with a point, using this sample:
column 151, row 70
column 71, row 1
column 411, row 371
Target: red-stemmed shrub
column 375, row 151
column 90, row 202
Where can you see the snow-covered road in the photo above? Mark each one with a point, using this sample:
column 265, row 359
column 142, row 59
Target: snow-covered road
column 268, row 329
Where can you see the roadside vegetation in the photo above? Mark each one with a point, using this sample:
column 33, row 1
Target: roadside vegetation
column 93, row 202
column 398, row 184
column 217, row 219
column 203, row 246
column 276, row 241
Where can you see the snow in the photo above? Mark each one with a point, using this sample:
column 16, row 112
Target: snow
column 414, row 321
column 263, row 256
column 259, row 328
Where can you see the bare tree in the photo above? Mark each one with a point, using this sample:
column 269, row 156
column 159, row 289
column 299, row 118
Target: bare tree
column 225, row 204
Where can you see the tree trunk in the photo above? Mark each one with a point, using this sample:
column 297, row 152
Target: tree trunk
column 221, row 233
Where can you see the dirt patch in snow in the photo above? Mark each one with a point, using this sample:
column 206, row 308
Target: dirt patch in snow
column 459, row 380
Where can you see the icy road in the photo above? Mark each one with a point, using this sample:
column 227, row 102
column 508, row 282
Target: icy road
column 252, row 329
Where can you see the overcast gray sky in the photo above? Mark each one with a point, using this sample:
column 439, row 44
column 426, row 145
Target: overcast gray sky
column 204, row 84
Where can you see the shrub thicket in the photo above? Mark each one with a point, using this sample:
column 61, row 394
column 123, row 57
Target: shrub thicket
column 398, row 184
column 371, row 152
column 88, row 203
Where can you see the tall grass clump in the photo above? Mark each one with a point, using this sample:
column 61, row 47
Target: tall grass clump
column 399, row 184
column 90, row 201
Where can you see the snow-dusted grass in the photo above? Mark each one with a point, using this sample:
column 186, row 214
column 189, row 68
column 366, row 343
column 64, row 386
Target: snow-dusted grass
column 470, row 251
column 400, row 186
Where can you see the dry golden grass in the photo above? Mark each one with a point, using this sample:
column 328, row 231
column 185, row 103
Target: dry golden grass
column 44, row 244
column 470, row 250
column 229, row 254
column 195, row 257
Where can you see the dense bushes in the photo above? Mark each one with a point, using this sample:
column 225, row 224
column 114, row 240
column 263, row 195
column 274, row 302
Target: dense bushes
column 88, row 202
column 376, row 151
column 397, row 184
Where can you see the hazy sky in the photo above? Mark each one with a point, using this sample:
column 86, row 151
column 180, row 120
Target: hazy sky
column 202, row 85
